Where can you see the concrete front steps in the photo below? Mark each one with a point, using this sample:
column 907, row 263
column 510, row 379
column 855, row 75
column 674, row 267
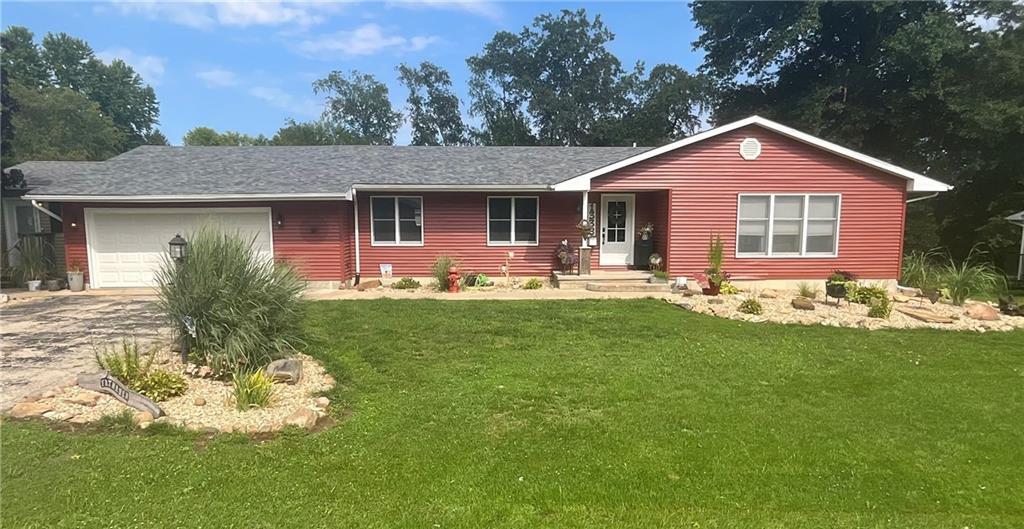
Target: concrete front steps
column 609, row 281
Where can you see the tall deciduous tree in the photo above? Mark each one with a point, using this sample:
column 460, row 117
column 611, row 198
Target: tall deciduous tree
column 433, row 106
column 557, row 72
column 359, row 104
column 311, row 133
column 919, row 84
column 61, row 124
column 208, row 137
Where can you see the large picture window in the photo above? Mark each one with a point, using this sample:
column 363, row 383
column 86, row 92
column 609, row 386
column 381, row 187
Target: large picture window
column 788, row 225
column 396, row 220
column 512, row 221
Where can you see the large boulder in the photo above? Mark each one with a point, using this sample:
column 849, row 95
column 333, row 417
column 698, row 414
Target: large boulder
column 802, row 303
column 304, row 418
column 288, row 370
column 981, row 311
column 24, row 410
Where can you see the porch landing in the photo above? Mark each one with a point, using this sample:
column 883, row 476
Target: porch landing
column 609, row 281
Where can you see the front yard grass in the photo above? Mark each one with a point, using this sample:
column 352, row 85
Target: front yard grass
column 576, row 414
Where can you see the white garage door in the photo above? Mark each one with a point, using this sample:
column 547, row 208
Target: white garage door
column 126, row 245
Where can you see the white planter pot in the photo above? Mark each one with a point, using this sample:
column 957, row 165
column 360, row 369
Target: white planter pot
column 33, row 286
column 76, row 281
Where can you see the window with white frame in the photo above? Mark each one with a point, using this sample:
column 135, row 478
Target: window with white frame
column 788, row 225
column 396, row 220
column 512, row 220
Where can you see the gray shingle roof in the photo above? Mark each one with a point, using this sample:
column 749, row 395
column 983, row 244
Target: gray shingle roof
column 158, row 171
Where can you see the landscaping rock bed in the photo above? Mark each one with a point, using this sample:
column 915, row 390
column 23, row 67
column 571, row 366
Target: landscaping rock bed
column 788, row 307
column 207, row 405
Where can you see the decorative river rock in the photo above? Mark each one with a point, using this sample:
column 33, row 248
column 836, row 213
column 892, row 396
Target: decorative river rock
column 104, row 382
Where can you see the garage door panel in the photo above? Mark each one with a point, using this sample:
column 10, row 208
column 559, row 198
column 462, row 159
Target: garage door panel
column 128, row 246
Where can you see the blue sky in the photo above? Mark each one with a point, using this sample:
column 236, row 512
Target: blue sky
column 247, row 66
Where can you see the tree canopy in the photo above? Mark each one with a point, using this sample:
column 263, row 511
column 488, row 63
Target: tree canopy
column 433, row 107
column 69, row 64
column 920, row 84
column 358, row 104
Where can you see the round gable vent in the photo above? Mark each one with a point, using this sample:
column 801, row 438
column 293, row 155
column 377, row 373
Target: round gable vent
column 750, row 149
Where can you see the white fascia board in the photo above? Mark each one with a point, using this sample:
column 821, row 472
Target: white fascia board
column 451, row 187
column 189, row 198
column 915, row 182
column 1017, row 218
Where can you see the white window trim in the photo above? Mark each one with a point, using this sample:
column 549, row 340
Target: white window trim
column 536, row 234
column 803, row 231
column 397, row 241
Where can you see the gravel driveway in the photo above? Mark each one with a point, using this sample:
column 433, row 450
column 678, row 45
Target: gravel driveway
column 47, row 341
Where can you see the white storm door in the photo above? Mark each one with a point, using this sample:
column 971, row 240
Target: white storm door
column 616, row 230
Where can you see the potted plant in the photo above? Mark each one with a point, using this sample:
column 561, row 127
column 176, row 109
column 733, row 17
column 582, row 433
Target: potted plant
column 713, row 277
column 657, row 274
column 646, row 231
column 566, row 256
column 835, row 285
column 34, row 263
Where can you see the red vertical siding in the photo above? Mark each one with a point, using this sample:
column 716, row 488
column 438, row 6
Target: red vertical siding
column 455, row 224
column 706, row 178
column 316, row 236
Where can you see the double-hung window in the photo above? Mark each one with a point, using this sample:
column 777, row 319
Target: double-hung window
column 512, row 221
column 788, row 226
column 396, row 221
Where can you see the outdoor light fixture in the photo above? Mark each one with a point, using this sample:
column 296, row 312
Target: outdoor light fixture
column 280, row 221
column 178, row 247
column 74, row 223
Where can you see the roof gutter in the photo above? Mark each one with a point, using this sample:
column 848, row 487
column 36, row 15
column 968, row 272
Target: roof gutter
column 48, row 213
column 452, row 187
column 926, row 197
column 189, row 198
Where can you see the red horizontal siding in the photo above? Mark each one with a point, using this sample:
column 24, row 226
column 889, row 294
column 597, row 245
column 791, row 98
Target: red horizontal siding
column 706, row 178
column 315, row 236
column 455, row 224
column 648, row 206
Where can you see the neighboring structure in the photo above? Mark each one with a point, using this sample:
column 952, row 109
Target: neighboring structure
column 1018, row 219
column 789, row 206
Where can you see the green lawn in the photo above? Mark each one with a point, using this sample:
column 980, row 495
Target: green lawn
column 576, row 414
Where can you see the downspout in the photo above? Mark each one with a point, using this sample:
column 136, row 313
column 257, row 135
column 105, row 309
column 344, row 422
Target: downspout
column 926, row 197
column 355, row 209
column 48, row 213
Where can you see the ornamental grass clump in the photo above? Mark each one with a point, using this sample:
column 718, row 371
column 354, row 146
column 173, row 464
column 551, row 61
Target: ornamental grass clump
column 971, row 276
column 252, row 389
column 243, row 308
column 440, row 271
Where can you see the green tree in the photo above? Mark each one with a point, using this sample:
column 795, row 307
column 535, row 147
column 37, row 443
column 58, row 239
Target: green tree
column 919, row 84
column 558, row 73
column 358, row 103
column 317, row 132
column 433, row 106
column 61, row 124
column 206, row 136
column 156, row 138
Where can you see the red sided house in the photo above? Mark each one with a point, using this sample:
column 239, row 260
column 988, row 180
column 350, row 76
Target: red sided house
column 788, row 206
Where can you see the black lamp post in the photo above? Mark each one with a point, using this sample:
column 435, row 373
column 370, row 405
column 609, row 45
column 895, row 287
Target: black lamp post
column 178, row 248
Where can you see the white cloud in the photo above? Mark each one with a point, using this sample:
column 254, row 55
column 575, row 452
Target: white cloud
column 217, row 77
column 367, row 39
column 150, row 67
column 301, row 107
column 235, row 13
column 483, row 8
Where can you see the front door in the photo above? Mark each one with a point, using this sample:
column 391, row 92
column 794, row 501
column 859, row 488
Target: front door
column 616, row 230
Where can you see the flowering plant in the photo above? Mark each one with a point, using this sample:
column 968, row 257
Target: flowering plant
column 646, row 231
column 586, row 228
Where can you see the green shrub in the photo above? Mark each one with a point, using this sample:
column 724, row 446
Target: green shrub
column 971, row 276
column 406, row 283
column 482, row 280
column 807, row 290
column 865, row 295
column 728, row 288
column 533, row 284
column 34, row 261
column 751, row 306
column 246, row 309
column 253, row 389
column 440, row 271
column 660, row 274
column 126, row 362
column 880, row 308
column 161, row 385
